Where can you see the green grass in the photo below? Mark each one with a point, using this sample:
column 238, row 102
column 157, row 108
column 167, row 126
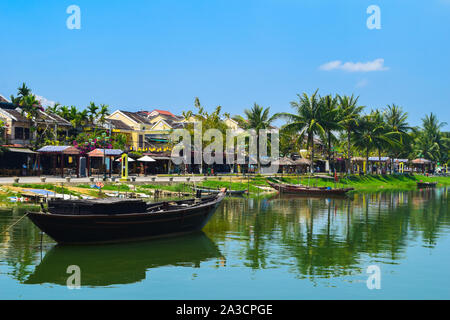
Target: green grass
column 176, row 187
column 372, row 183
column 108, row 187
column 48, row 187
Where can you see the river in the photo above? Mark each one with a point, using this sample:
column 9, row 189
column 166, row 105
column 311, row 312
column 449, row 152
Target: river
column 273, row 248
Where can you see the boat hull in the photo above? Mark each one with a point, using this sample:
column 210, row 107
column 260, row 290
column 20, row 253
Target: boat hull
column 216, row 191
column 302, row 190
column 426, row 184
column 95, row 229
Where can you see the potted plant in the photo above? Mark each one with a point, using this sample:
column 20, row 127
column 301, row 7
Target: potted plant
column 43, row 179
column 67, row 179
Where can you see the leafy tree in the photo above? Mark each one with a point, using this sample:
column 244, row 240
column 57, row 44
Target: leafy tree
column 307, row 120
column 349, row 115
column 257, row 118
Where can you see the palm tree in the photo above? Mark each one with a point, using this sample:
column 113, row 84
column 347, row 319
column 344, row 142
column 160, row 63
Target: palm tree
column 257, row 118
column 308, row 119
column 363, row 137
column 30, row 107
column 24, row 90
column 93, row 112
column 397, row 124
column 349, row 114
column 431, row 143
column 331, row 121
column 53, row 109
column 103, row 113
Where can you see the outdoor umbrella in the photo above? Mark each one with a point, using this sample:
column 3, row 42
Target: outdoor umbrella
column 129, row 159
column 146, row 159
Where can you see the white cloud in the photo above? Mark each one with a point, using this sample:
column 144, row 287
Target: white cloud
column 375, row 65
column 45, row 102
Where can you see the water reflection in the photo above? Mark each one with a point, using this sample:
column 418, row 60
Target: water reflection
column 312, row 238
column 123, row 263
column 332, row 237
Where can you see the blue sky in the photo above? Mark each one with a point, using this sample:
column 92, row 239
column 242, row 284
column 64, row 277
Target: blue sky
column 163, row 53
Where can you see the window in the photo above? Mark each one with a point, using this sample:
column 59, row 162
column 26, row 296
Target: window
column 27, row 133
column 18, row 133
column 141, row 141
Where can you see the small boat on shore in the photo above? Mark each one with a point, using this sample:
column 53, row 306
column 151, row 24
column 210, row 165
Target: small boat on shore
column 422, row 184
column 113, row 221
column 214, row 191
column 305, row 190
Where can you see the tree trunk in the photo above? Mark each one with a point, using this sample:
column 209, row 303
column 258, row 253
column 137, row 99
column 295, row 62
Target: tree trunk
column 349, row 158
column 367, row 161
column 329, row 150
column 379, row 161
column 312, row 155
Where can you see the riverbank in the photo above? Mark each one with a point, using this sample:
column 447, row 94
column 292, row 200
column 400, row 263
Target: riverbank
column 256, row 185
column 371, row 183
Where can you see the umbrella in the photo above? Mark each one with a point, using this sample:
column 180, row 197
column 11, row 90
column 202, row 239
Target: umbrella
column 129, row 159
column 146, row 159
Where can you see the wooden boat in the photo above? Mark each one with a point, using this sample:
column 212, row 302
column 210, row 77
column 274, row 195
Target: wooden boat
column 123, row 263
column 213, row 191
column 305, row 190
column 162, row 219
column 422, row 184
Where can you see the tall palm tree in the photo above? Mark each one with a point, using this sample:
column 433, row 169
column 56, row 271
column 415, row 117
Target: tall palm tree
column 307, row 119
column 396, row 121
column 331, row 121
column 363, row 137
column 30, row 107
column 103, row 113
column 257, row 118
column 349, row 114
column 431, row 143
column 92, row 111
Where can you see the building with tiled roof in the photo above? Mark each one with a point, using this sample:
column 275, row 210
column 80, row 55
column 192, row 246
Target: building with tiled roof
column 18, row 126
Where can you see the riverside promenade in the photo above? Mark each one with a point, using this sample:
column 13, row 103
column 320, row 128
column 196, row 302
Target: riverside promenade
column 139, row 180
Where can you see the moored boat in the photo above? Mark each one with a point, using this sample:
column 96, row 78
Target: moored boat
column 422, row 184
column 214, row 191
column 67, row 224
column 305, row 190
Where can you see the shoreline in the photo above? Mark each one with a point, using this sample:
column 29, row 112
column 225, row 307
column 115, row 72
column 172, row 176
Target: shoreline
column 257, row 186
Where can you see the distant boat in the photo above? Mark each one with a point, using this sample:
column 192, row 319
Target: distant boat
column 112, row 221
column 422, row 184
column 305, row 190
column 213, row 191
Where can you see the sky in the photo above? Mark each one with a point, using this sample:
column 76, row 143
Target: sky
column 161, row 54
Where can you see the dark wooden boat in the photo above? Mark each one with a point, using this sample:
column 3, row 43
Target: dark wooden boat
column 304, row 190
column 123, row 263
column 214, row 191
column 160, row 219
column 422, row 184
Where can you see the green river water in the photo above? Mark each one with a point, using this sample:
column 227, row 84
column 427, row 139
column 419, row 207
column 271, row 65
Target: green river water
column 273, row 248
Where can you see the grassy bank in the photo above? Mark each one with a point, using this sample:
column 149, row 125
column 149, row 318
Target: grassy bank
column 372, row 183
column 369, row 183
